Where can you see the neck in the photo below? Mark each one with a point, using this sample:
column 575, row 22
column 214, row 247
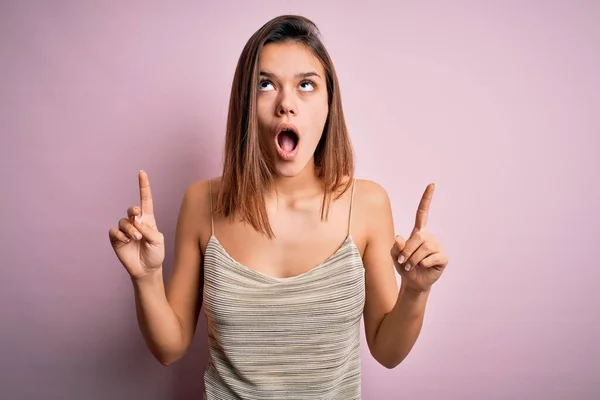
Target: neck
column 306, row 183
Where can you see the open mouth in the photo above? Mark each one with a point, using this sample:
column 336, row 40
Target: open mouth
column 287, row 140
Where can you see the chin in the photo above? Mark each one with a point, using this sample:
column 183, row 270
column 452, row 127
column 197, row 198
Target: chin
column 290, row 169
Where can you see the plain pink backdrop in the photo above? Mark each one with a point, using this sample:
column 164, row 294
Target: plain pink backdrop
column 496, row 102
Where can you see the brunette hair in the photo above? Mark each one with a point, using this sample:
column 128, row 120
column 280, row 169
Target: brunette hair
column 246, row 172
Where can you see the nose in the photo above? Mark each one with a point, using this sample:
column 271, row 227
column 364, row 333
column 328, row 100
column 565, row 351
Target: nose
column 286, row 104
column 283, row 110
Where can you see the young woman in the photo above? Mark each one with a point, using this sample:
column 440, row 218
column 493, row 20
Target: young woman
column 287, row 251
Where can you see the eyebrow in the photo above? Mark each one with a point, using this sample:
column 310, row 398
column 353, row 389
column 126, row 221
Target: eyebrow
column 299, row 75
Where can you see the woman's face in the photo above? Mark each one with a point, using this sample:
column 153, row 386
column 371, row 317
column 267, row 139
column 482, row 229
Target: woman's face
column 292, row 105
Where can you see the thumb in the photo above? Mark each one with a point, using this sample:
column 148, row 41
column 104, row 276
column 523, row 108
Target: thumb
column 150, row 234
column 398, row 247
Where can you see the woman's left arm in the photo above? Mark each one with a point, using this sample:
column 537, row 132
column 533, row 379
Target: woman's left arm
column 394, row 317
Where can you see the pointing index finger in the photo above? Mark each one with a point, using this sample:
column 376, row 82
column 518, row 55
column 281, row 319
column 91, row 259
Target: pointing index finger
column 423, row 210
column 145, row 194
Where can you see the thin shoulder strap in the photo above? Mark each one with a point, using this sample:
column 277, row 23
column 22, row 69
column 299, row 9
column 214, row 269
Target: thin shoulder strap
column 212, row 224
column 350, row 211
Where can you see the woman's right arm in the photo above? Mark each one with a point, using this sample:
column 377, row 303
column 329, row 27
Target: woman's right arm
column 167, row 314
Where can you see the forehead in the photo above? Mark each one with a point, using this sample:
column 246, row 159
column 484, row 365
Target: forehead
column 289, row 59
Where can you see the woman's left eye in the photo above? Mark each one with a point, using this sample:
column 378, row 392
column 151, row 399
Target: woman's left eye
column 307, row 86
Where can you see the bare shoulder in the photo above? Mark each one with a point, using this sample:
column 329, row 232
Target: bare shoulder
column 199, row 192
column 370, row 194
column 372, row 212
column 196, row 205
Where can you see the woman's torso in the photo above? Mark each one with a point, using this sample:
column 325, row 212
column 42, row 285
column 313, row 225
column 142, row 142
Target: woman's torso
column 284, row 314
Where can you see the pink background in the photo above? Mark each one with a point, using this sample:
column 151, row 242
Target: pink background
column 496, row 102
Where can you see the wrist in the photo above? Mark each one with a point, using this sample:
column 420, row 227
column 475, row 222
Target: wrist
column 407, row 291
column 149, row 279
column 411, row 303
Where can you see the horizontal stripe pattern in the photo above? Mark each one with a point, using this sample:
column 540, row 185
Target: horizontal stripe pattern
column 283, row 338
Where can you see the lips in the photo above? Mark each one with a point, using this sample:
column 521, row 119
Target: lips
column 286, row 141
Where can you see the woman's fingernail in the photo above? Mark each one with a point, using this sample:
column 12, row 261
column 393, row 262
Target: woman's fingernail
column 407, row 267
column 137, row 235
column 401, row 259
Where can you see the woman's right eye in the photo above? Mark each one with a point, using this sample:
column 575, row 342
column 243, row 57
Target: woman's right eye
column 265, row 86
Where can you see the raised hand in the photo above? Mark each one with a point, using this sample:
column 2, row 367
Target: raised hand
column 137, row 242
column 420, row 259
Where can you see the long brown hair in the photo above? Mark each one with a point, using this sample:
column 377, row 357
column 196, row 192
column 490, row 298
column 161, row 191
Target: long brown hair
column 246, row 172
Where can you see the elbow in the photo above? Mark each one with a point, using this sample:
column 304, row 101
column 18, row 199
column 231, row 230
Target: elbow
column 168, row 352
column 390, row 354
column 167, row 357
column 165, row 362
column 390, row 362
column 389, row 359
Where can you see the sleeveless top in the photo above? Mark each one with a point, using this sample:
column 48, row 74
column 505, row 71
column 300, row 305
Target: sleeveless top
column 283, row 338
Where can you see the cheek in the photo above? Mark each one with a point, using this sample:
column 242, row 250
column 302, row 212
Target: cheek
column 262, row 107
column 319, row 117
column 264, row 113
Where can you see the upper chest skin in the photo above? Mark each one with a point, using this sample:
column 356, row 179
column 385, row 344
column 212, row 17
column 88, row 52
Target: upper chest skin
column 302, row 240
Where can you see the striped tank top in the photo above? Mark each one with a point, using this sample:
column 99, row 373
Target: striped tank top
column 284, row 338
